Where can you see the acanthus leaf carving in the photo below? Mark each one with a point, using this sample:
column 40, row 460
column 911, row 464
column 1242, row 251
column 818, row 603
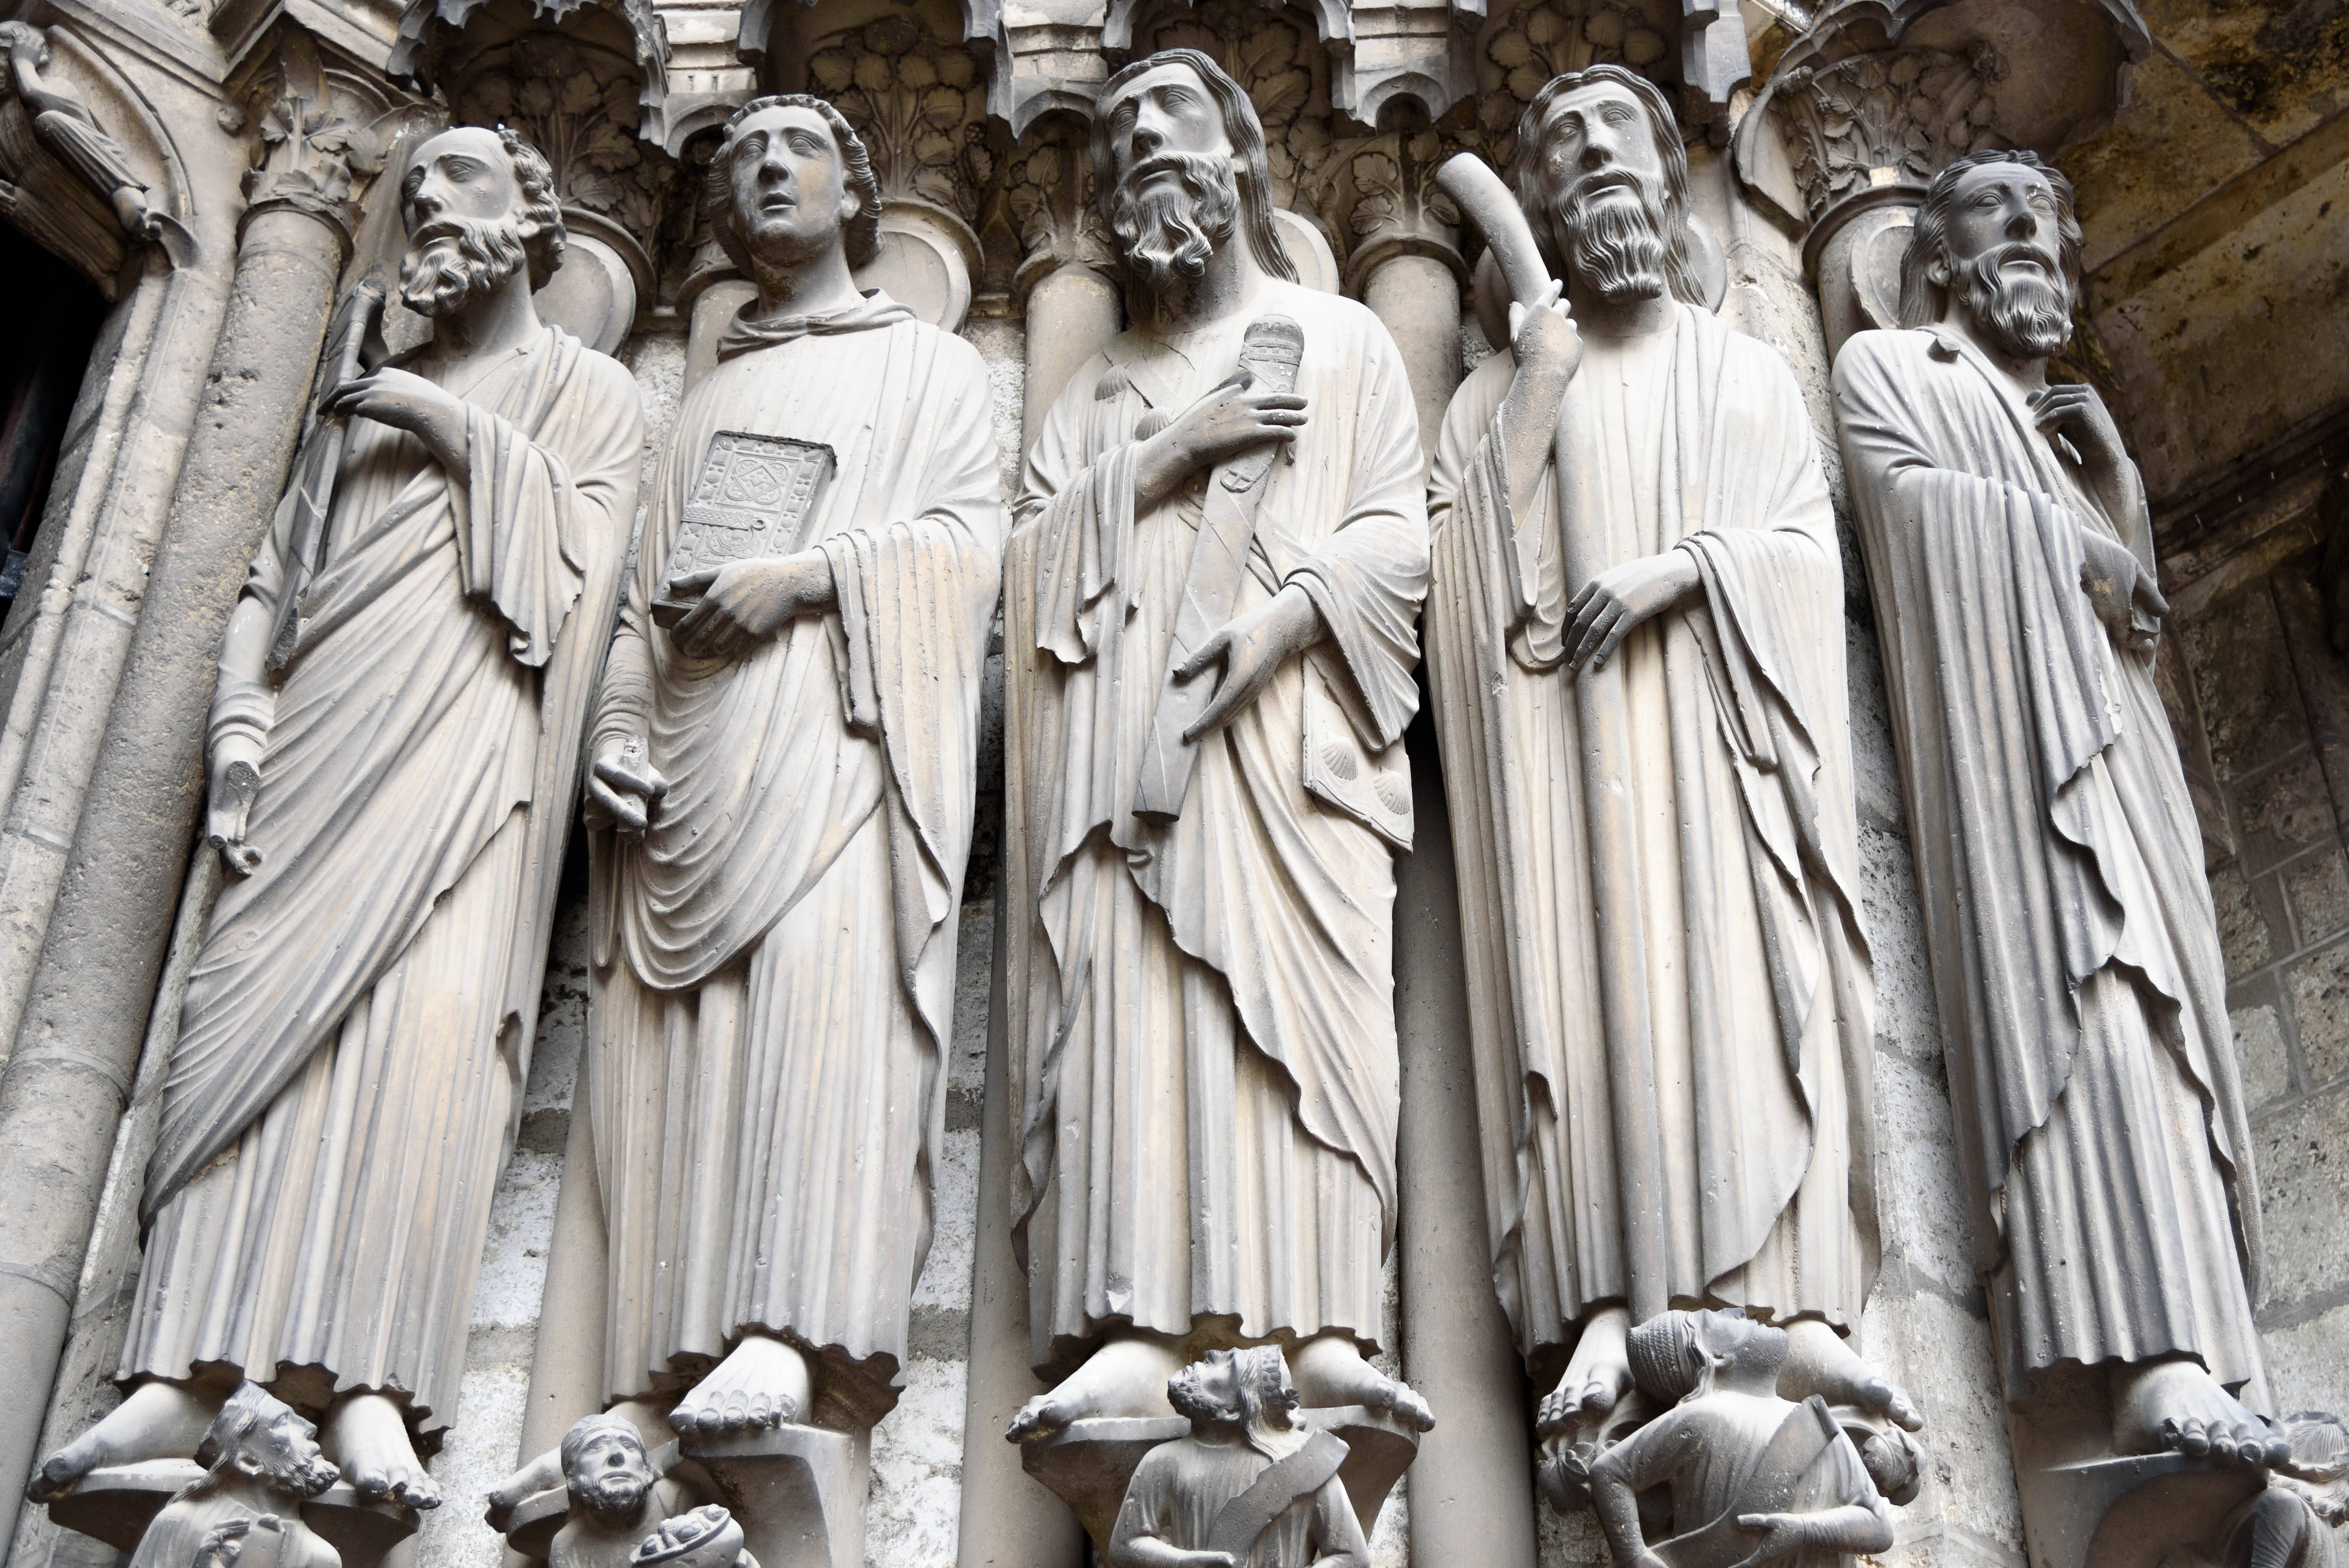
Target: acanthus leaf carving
column 920, row 107
column 1901, row 113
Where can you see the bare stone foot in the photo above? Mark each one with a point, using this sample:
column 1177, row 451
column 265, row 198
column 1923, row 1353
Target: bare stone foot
column 1597, row 1378
column 1330, row 1371
column 158, row 1420
column 762, row 1383
column 2177, row 1406
column 1821, row 1361
column 367, row 1437
column 1127, row 1377
column 541, row 1474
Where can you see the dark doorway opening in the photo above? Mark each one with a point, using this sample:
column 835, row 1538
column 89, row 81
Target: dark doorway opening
column 41, row 358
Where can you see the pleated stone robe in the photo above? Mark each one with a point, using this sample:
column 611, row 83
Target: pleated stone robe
column 1202, row 1013
column 358, row 1025
column 1749, row 1014
column 774, row 980
column 2075, row 957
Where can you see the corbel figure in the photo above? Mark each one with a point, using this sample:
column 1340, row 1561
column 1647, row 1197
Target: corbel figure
column 262, row 1463
column 70, row 132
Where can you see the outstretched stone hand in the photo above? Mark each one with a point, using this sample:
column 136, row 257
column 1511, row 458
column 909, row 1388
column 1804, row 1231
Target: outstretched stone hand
column 407, row 401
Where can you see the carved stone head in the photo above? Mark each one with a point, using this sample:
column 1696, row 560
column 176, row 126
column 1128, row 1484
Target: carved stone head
column 1250, row 1390
column 1180, row 165
column 1996, row 238
column 606, row 1469
column 1679, row 1356
column 1603, row 180
column 479, row 205
column 790, row 180
column 259, row 1441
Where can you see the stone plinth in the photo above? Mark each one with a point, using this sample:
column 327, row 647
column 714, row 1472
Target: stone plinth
column 799, row 1493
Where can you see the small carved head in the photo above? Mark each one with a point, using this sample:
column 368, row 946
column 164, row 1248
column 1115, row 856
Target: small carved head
column 706, row 1538
column 1180, row 165
column 1250, row 1390
column 1997, row 237
column 479, row 205
column 1603, row 178
column 1679, row 1356
column 21, row 38
column 790, row 178
column 258, row 1438
column 605, row 1468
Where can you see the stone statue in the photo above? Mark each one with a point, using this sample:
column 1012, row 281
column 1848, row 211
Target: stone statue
column 393, row 750
column 1251, row 1487
column 612, row 1486
column 2076, row 957
column 706, row 1538
column 1635, row 651
column 782, row 799
column 67, row 128
column 1754, row 1479
column 1208, row 674
column 262, row 1462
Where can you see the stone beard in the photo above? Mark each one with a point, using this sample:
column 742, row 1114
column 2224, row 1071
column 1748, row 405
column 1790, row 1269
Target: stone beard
column 356, row 1023
column 451, row 259
column 1742, row 1177
column 774, row 978
column 1165, row 232
column 1235, row 959
column 2027, row 315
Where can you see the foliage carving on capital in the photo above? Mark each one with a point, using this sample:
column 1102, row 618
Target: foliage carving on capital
column 1048, row 196
column 1895, row 116
column 920, row 107
column 578, row 104
column 1395, row 194
column 1535, row 42
column 317, row 144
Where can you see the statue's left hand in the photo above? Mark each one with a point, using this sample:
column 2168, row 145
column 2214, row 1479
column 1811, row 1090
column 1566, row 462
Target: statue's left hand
column 2077, row 413
column 406, row 401
column 747, row 603
column 1619, row 598
column 1251, row 648
column 1783, row 1535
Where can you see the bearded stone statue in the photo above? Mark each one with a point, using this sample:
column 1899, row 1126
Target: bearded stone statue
column 2076, row 957
column 1635, row 646
column 1219, row 553
column 261, row 1462
column 394, row 754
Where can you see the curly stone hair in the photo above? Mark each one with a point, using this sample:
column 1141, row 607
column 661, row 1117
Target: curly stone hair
column 543, row 236
column 861, row 236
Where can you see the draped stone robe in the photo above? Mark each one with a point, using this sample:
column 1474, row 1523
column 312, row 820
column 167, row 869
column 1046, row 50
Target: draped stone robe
column 339, row 1103
column 1202, row 1014
column 1743, row 850
column 2074, row 951
column 774, row 979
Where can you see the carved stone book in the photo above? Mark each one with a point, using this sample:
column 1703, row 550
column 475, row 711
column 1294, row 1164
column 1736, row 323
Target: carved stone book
column 754, row 499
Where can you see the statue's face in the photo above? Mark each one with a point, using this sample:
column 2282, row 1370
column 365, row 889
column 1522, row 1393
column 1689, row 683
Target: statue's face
column 1596, row 146
column 610, row 1475
column 2002, row 259
column 2004, row 213
column 1161, row 111
column 1605, row 180
column 790, row 184
column 286, row 1452
column 462, row 174
column 1206, row 1390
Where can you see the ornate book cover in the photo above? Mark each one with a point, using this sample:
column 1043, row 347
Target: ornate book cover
column 755, row 499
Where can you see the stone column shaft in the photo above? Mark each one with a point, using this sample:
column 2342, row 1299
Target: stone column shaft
column 1418, row 298
column 69, row 1075
column 1071, row 314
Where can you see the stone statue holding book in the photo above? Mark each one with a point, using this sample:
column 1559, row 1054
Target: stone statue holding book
column 782, row 798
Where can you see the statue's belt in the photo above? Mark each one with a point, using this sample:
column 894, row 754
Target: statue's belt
column 1246, row 1517
column 1801, row 1438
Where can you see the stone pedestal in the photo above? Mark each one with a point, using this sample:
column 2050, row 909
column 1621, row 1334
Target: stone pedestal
column 799, row 1493
column 116, row 1503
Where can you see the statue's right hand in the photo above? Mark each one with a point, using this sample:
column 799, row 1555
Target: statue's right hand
column 1235, row 415
column 1544, row 338
column 227, row 807
column 624, row 788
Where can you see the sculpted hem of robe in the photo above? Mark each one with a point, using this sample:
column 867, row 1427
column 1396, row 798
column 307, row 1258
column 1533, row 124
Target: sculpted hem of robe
column 1201, row 1016
column 1759, row 990
column 774, row 959
column 422, row 761
column 2076, row 957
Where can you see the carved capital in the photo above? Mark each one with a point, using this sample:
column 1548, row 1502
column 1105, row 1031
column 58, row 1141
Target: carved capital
column 318, row 144
column 1048, row 195
column 1889, row 118
column 1397, row 208
column 920, row 106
